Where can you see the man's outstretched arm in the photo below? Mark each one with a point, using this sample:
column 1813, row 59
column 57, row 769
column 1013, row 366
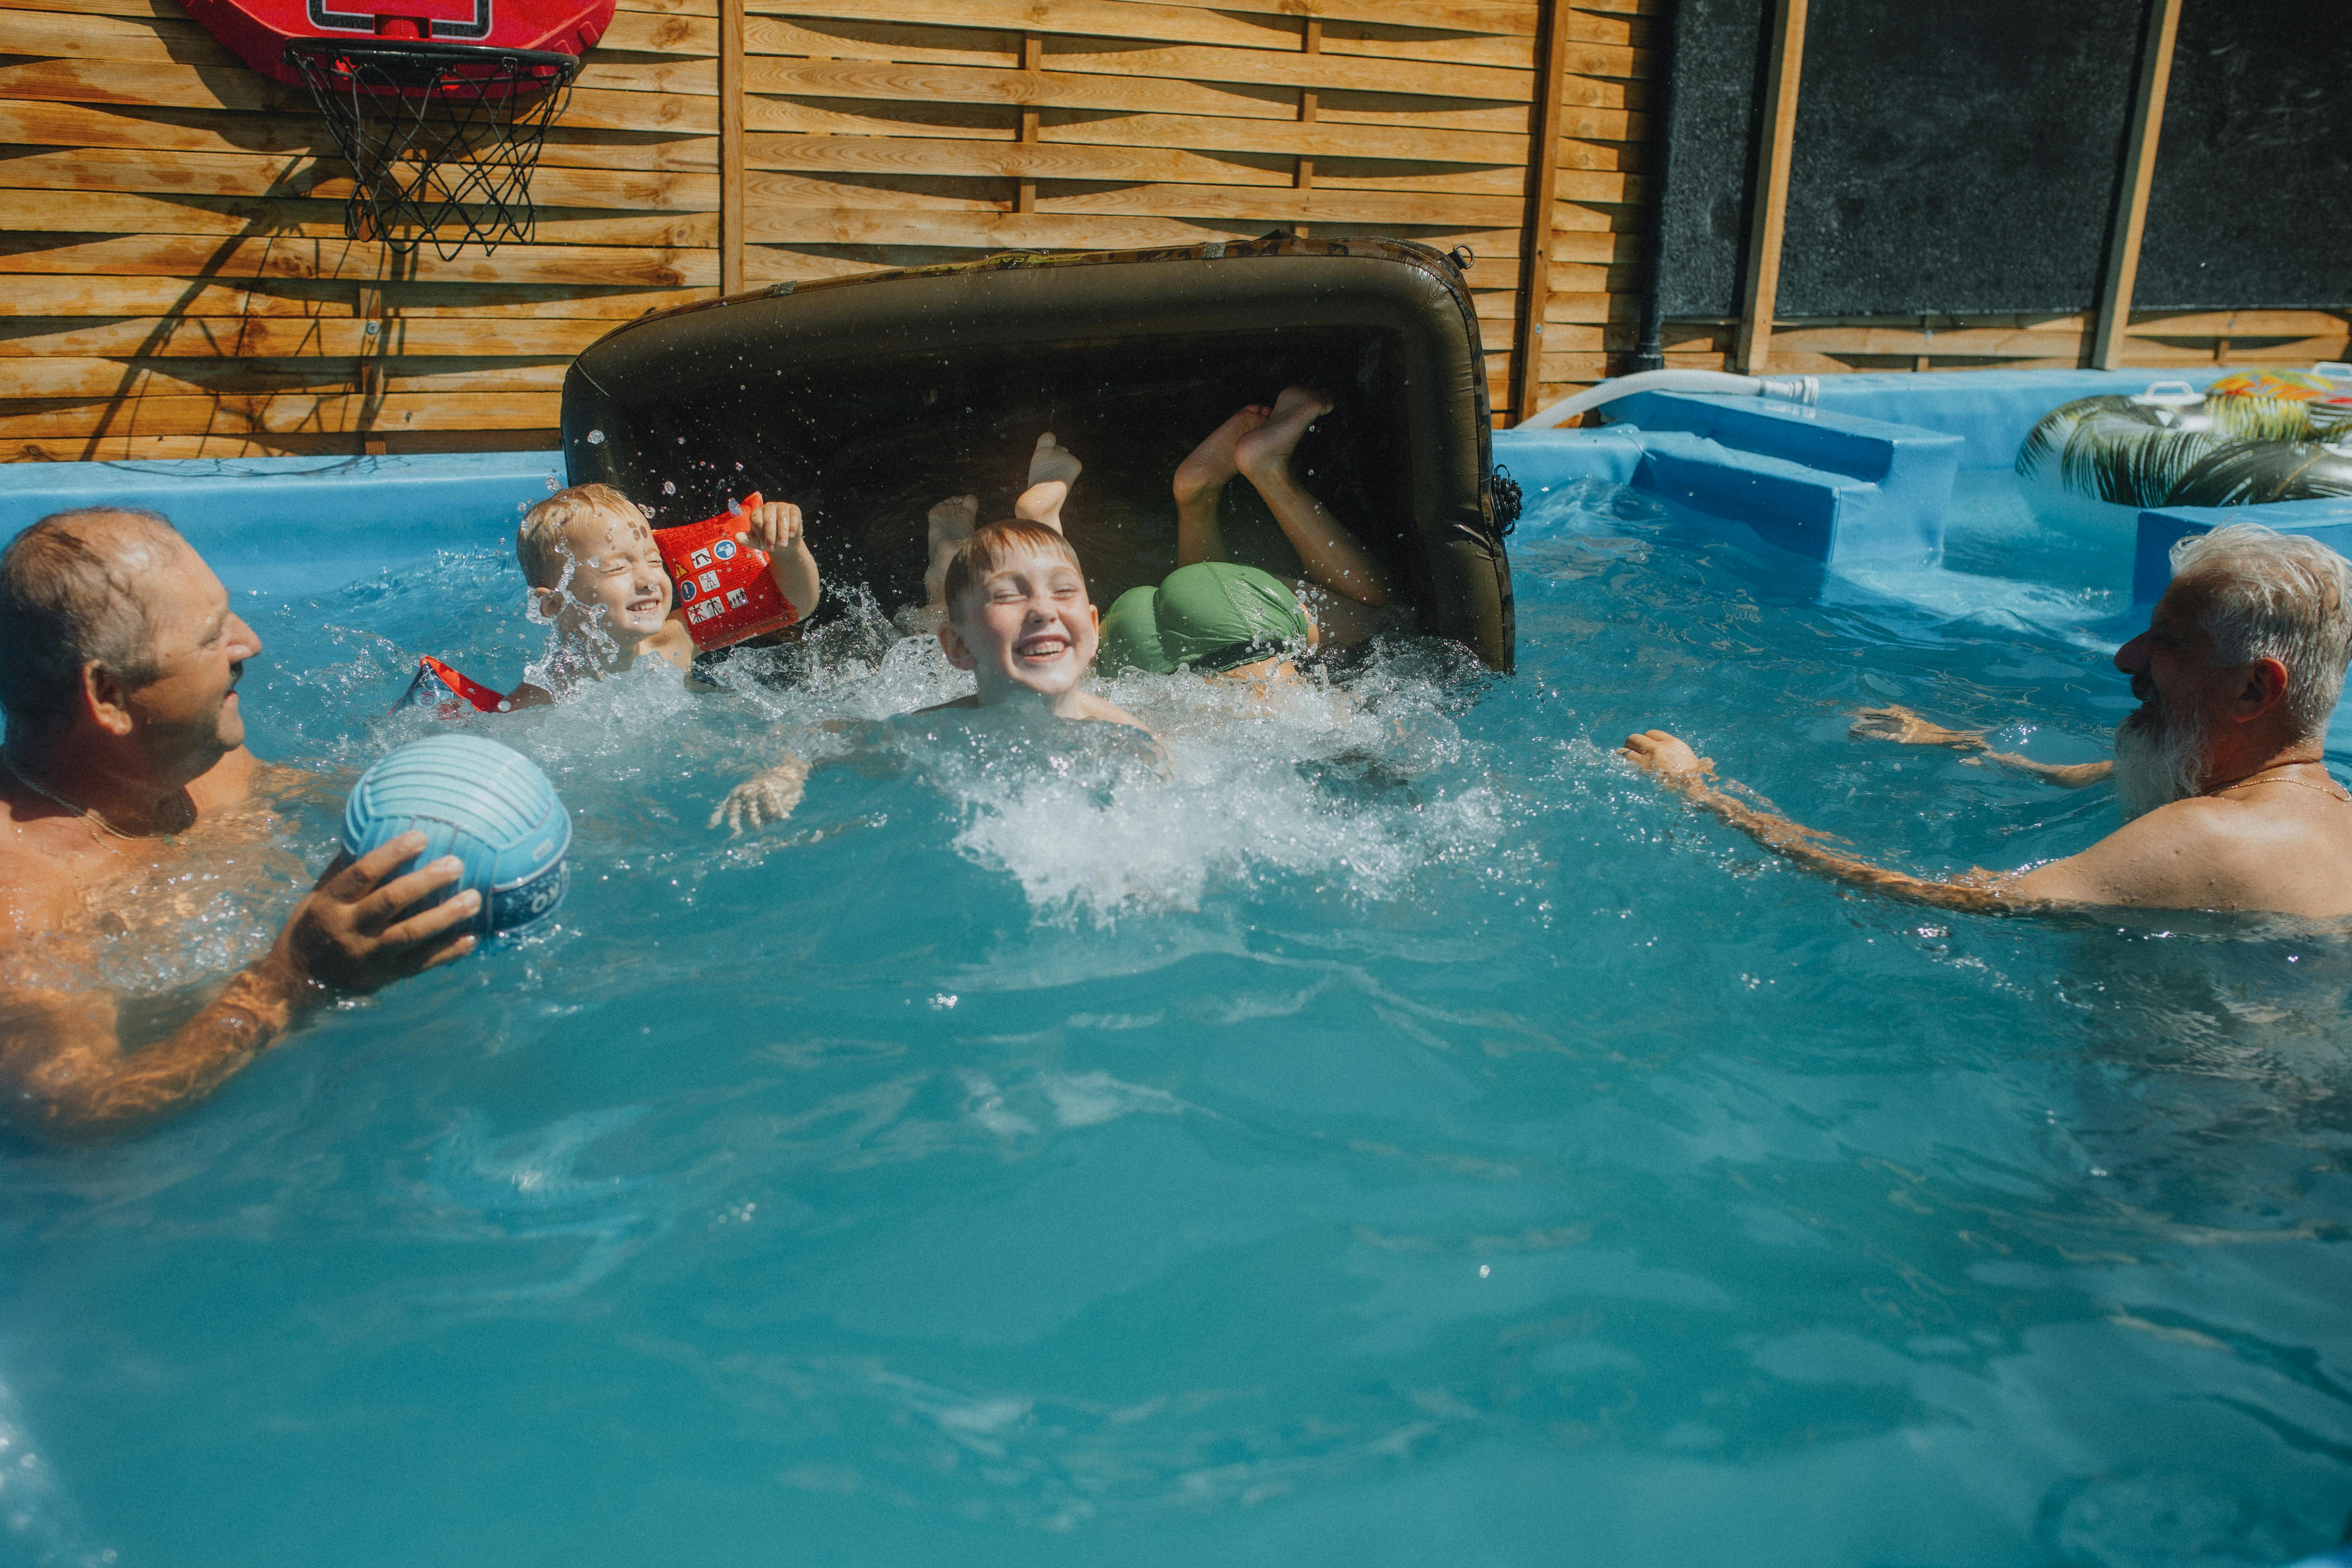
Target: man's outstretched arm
column 1676, row 766
column 1906, row 728
column 64, row 1072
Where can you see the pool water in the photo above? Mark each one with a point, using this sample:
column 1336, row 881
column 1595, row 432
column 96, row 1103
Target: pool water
column 1393, row 1134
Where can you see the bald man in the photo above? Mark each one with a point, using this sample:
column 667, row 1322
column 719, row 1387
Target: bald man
column 2228, row 803
column 124, row 763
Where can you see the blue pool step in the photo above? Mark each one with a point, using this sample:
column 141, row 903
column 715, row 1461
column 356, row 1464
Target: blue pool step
column 1829, row 487
column 1832, row 488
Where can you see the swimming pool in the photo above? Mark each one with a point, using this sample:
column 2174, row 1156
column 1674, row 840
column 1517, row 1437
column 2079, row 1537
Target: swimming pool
column 1400, row 1136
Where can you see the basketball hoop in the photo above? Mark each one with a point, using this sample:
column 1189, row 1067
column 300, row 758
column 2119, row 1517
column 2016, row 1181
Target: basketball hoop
column 440, row 137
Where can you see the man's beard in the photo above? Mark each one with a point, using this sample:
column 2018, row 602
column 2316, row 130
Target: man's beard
column 2159, row 758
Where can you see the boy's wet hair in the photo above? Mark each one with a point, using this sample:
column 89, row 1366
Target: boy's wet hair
column 538, row 542
column 992, row 545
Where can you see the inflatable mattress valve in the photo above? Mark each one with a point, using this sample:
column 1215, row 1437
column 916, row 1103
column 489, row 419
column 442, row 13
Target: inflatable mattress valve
column 448, row 691
column 724, row 592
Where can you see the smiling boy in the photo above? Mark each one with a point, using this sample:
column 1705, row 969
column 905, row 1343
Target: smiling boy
column 1019, row 617
column 591, row 562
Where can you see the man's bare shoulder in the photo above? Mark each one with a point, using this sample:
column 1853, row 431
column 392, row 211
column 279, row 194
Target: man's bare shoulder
column 2214, row 854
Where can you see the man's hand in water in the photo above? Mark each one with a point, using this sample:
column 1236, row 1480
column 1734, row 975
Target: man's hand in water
column 356, row 931
column 769, row 798
column 1906, row 728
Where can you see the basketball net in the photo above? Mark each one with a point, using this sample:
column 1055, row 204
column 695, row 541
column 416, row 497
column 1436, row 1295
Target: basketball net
column 442, row 138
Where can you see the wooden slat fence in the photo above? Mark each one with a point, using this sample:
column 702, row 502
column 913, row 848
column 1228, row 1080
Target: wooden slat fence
column 180, row 284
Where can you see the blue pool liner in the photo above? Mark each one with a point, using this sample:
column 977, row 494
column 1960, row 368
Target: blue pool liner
column 351, row 515
column 2328, row 519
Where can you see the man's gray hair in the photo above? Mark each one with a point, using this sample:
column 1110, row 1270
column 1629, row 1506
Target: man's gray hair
column 69, row 600
column 2276, row 595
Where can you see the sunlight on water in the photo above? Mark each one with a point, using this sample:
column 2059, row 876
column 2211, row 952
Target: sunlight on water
column 1379, row 1129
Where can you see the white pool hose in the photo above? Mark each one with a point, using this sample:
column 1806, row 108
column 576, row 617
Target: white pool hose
column 1805, row 389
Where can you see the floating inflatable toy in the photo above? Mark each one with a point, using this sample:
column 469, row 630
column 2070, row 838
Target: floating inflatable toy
column 1211, row 616
column 869, row 399
column 725, row 591
column 2261, row 435
column 488, row 804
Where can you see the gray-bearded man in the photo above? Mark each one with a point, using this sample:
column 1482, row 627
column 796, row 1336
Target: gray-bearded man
column 2220, row 772
column 124, row 772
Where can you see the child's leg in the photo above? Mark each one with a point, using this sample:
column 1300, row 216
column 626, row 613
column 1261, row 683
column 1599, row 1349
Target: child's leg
column 1200, row 481
column 951, row 523
column 1053, row 469
column 1333, row 556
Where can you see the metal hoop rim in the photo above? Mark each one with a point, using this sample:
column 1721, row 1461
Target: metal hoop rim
column 434, row 49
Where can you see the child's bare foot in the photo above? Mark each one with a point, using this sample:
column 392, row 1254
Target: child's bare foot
column 1211, row 462
column 1268, row 448
column 1053, row 460
column 951, row 523
column 1052, row 470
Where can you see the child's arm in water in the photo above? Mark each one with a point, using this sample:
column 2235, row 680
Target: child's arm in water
column 777, row 529
column 766, row 798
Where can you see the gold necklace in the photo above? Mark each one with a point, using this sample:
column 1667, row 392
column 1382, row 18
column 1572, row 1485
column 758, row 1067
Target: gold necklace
column 90, row 813
column 2255, row 778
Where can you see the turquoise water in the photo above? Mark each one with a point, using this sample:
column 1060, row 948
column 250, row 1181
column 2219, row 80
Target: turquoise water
column 1395, row 1136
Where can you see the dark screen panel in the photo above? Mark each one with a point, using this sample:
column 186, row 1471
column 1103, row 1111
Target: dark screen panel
column 1717, row 81
column 2252, row 206
column 1957, row 155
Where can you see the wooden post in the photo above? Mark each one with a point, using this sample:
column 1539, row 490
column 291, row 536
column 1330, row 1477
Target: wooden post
column 1310, row 41
column 1762, row 293
column 1032, row 59
column 2139, row 172
column 730, row 146
column 1543, row 188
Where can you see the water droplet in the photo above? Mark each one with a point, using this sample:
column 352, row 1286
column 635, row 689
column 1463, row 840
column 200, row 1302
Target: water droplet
column 739, row 468
column 551, row 486
column 669, row 487
column 595, row 438
column 681, row 440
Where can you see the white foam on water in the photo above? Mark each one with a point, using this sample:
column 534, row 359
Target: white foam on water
column 37, row 1516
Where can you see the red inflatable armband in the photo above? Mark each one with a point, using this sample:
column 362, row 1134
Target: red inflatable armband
column 725, row 593
column 435, row 678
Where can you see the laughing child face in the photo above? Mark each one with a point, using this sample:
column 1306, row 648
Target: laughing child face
column 593, row 562
column 1019, row 615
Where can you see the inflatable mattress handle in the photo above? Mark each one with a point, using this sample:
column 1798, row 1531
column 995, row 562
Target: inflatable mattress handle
column 724, row 591
column 435, row 678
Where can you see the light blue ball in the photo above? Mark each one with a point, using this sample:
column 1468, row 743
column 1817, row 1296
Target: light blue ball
column 488, row 804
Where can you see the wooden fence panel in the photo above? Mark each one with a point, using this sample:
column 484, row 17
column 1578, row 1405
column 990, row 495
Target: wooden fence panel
column 179, row 283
